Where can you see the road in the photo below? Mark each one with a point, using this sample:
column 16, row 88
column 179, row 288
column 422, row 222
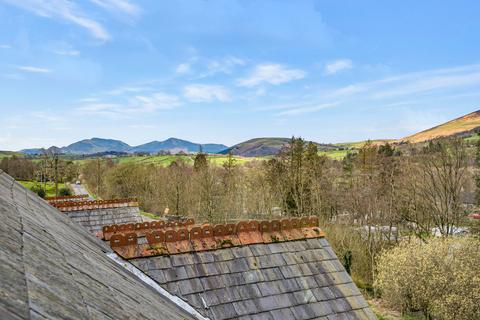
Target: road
column 79, row 189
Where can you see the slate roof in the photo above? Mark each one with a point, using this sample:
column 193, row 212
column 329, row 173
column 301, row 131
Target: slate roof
column 280, row 269
column 94, row 220
column 52, row 268
column 300, row 279
column 95, row 214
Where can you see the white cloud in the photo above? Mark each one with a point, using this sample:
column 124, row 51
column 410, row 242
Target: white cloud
column 206, row 93
column 64, row 10
column 337, row 66
column 68, row 53
column 414, row 83
column 5, row 46
column 34, row 69
column 123, row 6
column 271, row 73
column 293, row 111
column 431, row 83
column 128, row 89
column 132, row 106
column 183, row 68
column 225, row 65
column 156, row 101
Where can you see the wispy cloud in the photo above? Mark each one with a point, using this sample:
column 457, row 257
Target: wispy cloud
column 297, row 110
column 206, row 93
column 123, row 6
column 183, row 68
column 68, row 52
column 33, row 69
column 128, row 89
column 225, row 65
column 135, row 105
column 274, row 74
column 5, row 46
column 154, row 102
column 412, row 83
column 337, row 66
column 64, row 10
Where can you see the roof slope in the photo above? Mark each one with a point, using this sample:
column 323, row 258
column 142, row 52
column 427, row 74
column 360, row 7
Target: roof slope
column 300, row 279
column 94, row 220
column 52, row 268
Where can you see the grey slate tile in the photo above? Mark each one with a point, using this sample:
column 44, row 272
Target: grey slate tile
column 260, row 250
column 262, row 316
column 238, row 265
column 282, row 314
column 190, row 286
column 290, row 271
column 241, row 252
column 322, row 308
column 249, row 291
column 302, row 312
column 245, row 307
column 304, row 297
column 272, row 274
column 252, row 276
column 223, row 311
column 214, row 282
column 341, row 305
column 270, row 288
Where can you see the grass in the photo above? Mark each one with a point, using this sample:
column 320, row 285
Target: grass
column 50, row 186
column 384, row 313
column 465, row 123
column 473, row 138
column 166, row 160
column 7, row 154
column 149, row 215
column 360, row 144
column 335, row 154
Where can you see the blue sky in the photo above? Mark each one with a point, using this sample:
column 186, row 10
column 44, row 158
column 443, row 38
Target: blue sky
column 226, row 71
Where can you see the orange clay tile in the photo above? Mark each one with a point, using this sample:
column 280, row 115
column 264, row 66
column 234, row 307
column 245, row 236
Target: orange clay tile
column 192, row 238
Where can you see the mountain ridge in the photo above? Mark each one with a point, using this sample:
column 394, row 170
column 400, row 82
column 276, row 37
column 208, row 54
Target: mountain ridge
column 101, row 145
column 266, row 146
column 464, row 125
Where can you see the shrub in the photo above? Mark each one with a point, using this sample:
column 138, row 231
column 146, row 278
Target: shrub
column 64, row 192
column 39, row 190
column 440, row 278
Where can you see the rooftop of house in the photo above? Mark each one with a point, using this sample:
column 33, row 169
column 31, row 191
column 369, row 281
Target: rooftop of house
column 95, row 214
column 280, row 269
column 52, row 268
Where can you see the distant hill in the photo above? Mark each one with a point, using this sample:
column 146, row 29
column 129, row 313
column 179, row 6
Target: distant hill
column 95, row 145
column 99, row 146
column 259, row 147
column 462, row 126
column 178, row 145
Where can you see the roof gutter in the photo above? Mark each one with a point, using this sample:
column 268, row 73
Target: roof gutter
column 149, row 281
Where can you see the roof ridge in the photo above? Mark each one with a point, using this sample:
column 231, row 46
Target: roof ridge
column 94, row 204
column 163, row 240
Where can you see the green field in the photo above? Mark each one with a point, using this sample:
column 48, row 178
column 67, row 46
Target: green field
column 168, row 159
column 360, row 144
column 50, row 186
column 335, row 154
column 6, row 154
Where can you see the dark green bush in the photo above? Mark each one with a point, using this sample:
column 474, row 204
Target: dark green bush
column 39, row 191
column 64, row 192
